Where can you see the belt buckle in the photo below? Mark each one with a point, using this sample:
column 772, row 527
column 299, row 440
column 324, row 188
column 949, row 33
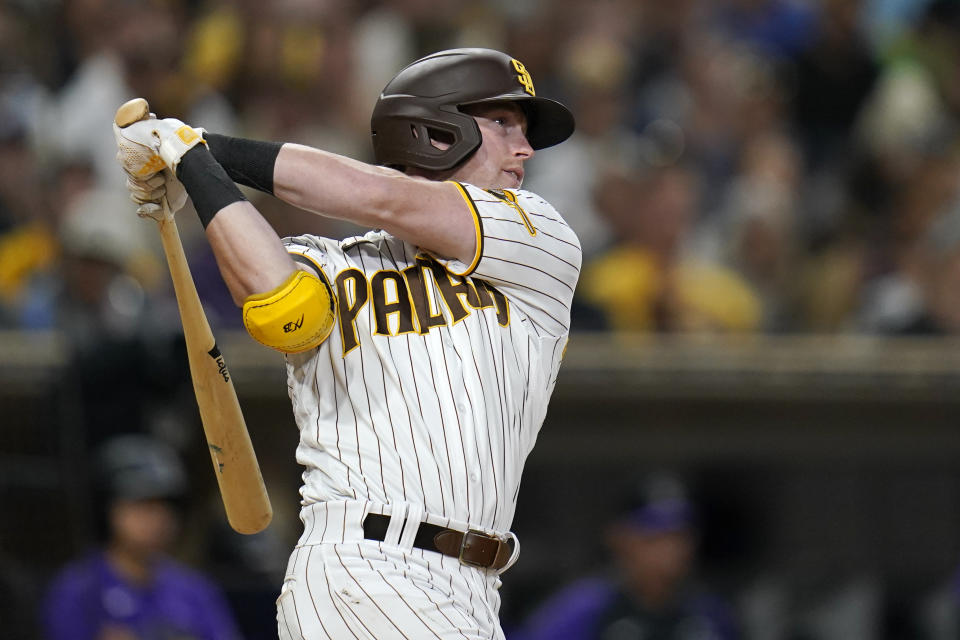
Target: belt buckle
column 466, row 544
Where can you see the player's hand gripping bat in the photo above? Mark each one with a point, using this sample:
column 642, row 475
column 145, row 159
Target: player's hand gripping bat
column 235, row 464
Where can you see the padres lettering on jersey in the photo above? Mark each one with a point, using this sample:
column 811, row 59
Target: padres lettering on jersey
column 434, row 387
column 408, row 295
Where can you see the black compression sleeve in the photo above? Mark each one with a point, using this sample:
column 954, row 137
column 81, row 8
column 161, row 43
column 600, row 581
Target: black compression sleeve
column 247, row 162
column 206, row 182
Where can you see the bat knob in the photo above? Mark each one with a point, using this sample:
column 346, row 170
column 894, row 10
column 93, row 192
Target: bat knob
column 132, row 111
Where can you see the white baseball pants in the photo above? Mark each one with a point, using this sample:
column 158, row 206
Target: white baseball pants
column 339, row 586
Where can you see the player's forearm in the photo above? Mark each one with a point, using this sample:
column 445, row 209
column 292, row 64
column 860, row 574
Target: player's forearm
column 307, row 178
column 336, row 186
column 254, row 163
column 248, row 251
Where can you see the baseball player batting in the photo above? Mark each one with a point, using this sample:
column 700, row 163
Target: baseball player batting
column 420, row 356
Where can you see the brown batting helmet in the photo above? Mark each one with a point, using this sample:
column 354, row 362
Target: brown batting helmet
column 424, row 100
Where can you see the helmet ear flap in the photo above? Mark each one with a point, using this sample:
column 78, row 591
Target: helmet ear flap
column 407, row 139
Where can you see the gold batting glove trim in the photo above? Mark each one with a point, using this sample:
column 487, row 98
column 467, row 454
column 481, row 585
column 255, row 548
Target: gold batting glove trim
column 176, row 138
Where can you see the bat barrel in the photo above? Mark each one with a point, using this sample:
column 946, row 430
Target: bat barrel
column 235, row 465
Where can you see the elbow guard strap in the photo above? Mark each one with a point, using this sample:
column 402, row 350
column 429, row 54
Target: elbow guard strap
column 296, row 316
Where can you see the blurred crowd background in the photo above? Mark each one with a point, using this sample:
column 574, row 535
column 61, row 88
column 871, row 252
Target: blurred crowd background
column 758, row 167
column 739, row 165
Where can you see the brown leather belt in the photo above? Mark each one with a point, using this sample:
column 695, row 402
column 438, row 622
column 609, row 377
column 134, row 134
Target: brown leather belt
column 473, row 548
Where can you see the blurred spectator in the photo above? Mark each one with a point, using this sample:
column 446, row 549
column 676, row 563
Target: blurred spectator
column 723, row 87
column 652, row 591
column 885, row 21
column 864, row 216
column 27, row 242
column 646, row 282
column 781, row 28
column 122, row 49
column 100, row 297
column 595, row 65
column 922, row 297
column 131, row 588
column 833, row 77
column 912, row 111
column 759, row 237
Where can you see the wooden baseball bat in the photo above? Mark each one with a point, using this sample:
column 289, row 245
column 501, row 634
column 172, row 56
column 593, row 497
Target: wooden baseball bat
column 235, row 464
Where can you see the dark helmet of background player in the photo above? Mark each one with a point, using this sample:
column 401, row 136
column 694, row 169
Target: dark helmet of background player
column 657, row 504
column 139, row 467
column 423, row 101
column 135, row 467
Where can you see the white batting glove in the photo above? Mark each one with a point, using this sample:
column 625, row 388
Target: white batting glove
column 146, row 147
column 147, row 192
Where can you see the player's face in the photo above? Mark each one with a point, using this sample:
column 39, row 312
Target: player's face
column 143, row 526
column 498, row 163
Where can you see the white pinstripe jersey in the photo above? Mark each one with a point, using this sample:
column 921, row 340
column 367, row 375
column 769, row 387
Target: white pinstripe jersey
column 436, row 384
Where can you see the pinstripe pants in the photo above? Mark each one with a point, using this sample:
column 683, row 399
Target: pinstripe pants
column 340, row 586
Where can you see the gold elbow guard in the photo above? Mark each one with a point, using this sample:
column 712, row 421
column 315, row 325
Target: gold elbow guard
column 296, row 316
